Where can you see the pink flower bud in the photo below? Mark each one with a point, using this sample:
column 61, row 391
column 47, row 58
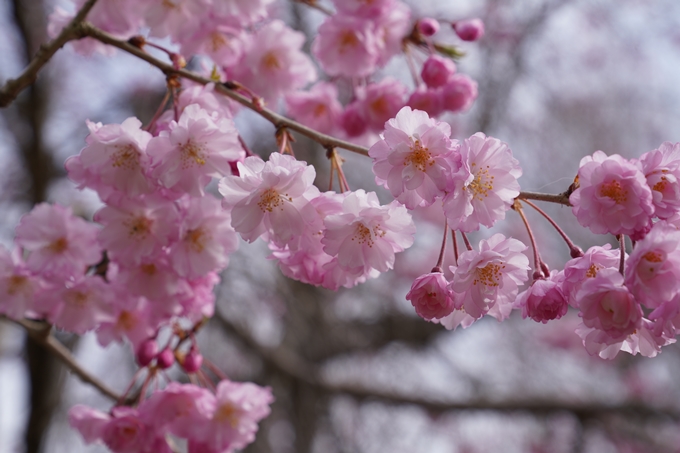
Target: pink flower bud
column 437, row 71
column 469, row 30
column 353, row 120
column 427, row 26
column 147, row 351
column 192, row 361
column 426, row 100
column 431, row 297
column 165, row 359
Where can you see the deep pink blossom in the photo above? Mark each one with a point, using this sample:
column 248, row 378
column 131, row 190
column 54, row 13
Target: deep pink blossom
column 653, row 268
column 382, row 101
column 578, row 270
column 662, row 171
column 427, row 100
column 366, row 235
column 458, row 93
column 61, row 245
column 469, row 29
column 486, row 185
column 415, row 158
column 437, row 70
column 613, row 196
column 430, row 296
column 487, row 281
column 544, row 300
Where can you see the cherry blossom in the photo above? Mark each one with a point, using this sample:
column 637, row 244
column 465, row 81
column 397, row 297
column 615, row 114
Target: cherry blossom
column 431, row 297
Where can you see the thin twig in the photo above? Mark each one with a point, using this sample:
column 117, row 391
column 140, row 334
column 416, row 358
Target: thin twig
column 41, row 333
column 12, row 87
column 560, row 198
column 277, row 120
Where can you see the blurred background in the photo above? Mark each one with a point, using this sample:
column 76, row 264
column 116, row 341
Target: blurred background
column 356, row 370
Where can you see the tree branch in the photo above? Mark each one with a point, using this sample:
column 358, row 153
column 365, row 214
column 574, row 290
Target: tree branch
column 41, row 333
column 295, row 367
column 12, row 87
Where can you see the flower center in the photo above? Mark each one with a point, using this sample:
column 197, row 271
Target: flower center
column 126, row 157
column 76, row 299
column 15, row 284
column 489, row 275
column 59, row 245
column 271, row 199
column 270, row 61
column 319, row 110
column 348, row 39
column 196, row 239
column 482, row 183
column 126, row 321
column 217, row 41
column 367, row 236
column 592, row 270
column 420, row 157
column 614, row 191
column 139, row 227
column 192, row 153
column 227, row 413
column 148, row 269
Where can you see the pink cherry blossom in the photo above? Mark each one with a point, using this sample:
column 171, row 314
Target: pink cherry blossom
column 317, row 108
column 578, row 270
column 415, row 158
column 238, row 409
column 61, row 245
column 137, row 229
column 366, row 235
column 88, row 421
column 427, row 100
column 544, row 300
column 273, row 62
column 347, row 46
column 222, row 43
column 607, row 305
column 486, row 185
column 18, row 286
column 354, row 119
column 206, row 238
column 437, row 71
column 270, row 197
column 613, row 196
column 175, row 18
column 430, row 296
column 490, row 278
column 365, row 8
column 60, row 18
column 653, row 268
column 382, row 101
column 244, row 12
column 114, row 159
column 131, row 318
column 459, row 93
column 392, row 25
column 662, row 171
column 197, row 148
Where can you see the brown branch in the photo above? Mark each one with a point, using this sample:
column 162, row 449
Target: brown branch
column 560, row 198
column 277, row 120
column 41, row 333
column 295, row 367
column 12, row 87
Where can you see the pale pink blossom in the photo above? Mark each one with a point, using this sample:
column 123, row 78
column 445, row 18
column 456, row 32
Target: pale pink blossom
column 544, row 300
column 120, row 17
column 88, row 422
column 347, row 46
column 273, row 63
column 662, row 171
column 61, row 245
column 60, row 18
column 613, row 196
column 317, row 108
column 427, row 100
column 114, row 159
column 653, row 268
column 382, row 101
column 489, row 279
column 206, row 238
column 392, row 25
column 647, row 340
column 365, row 8
column 437, row 70
column 243, row 12
column 485, row 186
column 126, row 432
column 366, row 235
column 459, row 93
column 78, row 307
column 175, row 18
column 152, row 277
column 458, row 317
column 431, row 297
column 197, row 148
column 18, row 285
column 222, row 43
column 131, row 319
column 238, row 409
column 198, row 298
column 607, row 305
column 415, row 158
column 270, row 198
column 137, row 229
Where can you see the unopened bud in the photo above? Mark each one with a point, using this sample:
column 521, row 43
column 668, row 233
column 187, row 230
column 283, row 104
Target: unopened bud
column 165, row 359
column 192, row 361
column 437, row 71
column 470, row 29
column 146, row 351
column 427, row 26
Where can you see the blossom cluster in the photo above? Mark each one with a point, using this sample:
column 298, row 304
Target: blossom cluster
column 218, row 422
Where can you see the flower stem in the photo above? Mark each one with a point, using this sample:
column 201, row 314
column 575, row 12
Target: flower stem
column 538, row 268
column 442, row 251
column 574, row 250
